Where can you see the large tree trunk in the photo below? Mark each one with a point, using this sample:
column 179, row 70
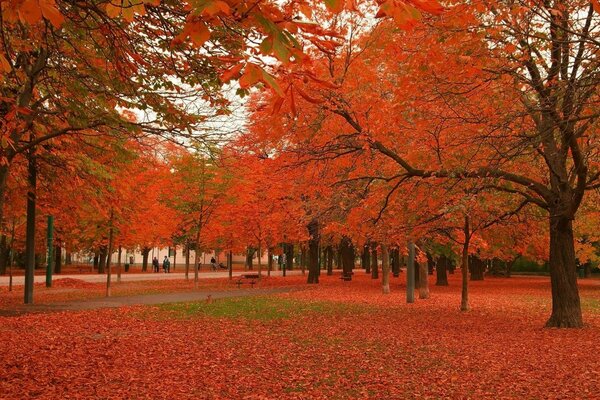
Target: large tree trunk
column 566, row 306
column 145, row 253
column 441, row 276
column 385, row 269
column 374, row 262
column 313, row 252
column 96, row 259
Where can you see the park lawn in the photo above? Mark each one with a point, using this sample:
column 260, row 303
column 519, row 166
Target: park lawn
column 337, row 340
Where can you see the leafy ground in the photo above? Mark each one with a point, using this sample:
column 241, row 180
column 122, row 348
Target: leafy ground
column 340, row 340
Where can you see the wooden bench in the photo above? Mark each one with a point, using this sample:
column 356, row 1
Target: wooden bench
column 247, row 278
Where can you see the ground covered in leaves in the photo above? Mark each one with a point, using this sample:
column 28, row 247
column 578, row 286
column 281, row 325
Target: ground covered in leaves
column 337, row 340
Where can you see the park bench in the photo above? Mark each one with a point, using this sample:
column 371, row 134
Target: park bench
column 247, row 278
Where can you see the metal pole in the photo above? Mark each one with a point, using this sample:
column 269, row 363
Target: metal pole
column 410, row 274
column 50, row 244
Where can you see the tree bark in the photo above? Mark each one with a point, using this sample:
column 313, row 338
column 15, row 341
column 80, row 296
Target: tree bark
column 566, row 306
column 374, row 262
column 477, row 268
column 119, row 264
column 145, row 253
column 57, row 259
column 347, row 257
column 102, row 262
column 366, row 258
column 396, row 263
column 441, row 276
column 423, row 281
column 4, row 253
column 269, row 260
column 329, row 251
column 313, row 252
column 187, row 260
column 30, row 228
column 385, row 269
column 464, row 300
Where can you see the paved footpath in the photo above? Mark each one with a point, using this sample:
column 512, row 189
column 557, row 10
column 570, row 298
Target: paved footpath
column 135, row 277
column 142, row 299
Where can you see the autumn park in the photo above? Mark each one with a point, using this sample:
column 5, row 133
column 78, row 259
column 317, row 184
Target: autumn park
column 299, row 199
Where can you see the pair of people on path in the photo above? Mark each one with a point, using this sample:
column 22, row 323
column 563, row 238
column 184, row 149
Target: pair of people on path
column 166, row 264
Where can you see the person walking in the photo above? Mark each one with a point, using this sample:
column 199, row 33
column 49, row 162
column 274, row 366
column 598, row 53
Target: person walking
column 166, row 265
column 155, row 265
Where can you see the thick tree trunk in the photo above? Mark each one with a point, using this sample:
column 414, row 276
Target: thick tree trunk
column 423, row 281
column 57, row 259
column 566, row 306
column 464, row 300
column 145, row 253
column 385, row 269
column 441, row 276
column 313, row 252
column 96, row 259
column 374, row 262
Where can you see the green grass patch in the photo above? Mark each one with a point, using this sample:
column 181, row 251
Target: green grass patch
column 258, row 308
